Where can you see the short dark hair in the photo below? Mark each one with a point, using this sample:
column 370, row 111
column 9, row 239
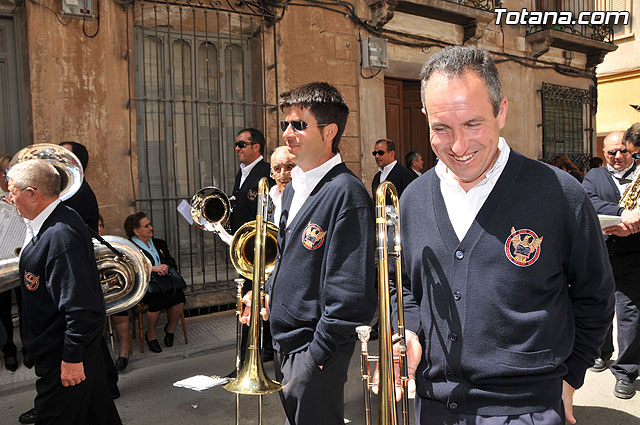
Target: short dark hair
column 133, row 222
column 391, row 147
column 410, row 157
column 256, row 136
column 80, row 151
column 324, row 101
column 595, row 162
column 633, row 135
column 453, row 61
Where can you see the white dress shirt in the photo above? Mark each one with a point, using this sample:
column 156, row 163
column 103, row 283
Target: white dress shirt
column 34, row 226
column 462, row 206
column 384, row 171
column 246, row 169
column 304, row 183
column 617, row 175
column 276, row 198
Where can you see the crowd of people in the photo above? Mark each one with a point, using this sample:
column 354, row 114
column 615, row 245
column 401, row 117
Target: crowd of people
column 509, row 294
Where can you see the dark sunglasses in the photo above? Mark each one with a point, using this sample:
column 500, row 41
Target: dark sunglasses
column 614, row 152
column 297, row 125
column 242, row 144
column 636, row 156
column 380, row 152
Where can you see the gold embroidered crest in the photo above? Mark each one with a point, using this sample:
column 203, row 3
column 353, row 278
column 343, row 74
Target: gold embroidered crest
column 523, row 247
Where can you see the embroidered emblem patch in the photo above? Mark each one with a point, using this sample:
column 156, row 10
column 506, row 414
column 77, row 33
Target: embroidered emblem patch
column 252, row 194
column 31, row 281
column 313, row 237
column 523, row 247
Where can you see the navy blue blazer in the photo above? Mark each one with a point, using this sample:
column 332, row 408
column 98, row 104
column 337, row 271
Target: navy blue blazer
column 245, row 204
column 399, row 176
column 604, row 195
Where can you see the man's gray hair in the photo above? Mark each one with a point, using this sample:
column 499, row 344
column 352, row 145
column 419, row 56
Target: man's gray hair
column 38, row 174
column 454, row 61
column 280, row 150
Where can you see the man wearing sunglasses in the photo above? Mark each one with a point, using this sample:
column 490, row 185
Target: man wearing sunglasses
column 250, row 145
column 323, row 283
column 605, row 186
column 384, row 152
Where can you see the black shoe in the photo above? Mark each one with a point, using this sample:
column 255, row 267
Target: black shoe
column 11, row 363
column 168, row 337
column 115, row 392
column 28, row 417
column 154, row 345
column 267, row 356
column 121, row 363
column 27, row 360
column 624, row 389
column 600, row 364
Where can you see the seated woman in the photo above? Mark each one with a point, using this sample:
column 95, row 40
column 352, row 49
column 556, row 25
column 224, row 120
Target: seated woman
column 140, row 231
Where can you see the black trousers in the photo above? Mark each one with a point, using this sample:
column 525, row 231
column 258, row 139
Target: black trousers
column 9, row 348
column 89, row 402
column 311, row 395
column 627, row 276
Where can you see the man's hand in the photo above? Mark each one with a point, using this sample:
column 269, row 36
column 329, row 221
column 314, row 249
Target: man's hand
column 414, row 353
column 71, row 373
column 567, row 399
column 618, row 230
column 631, row 219
column 246, row 312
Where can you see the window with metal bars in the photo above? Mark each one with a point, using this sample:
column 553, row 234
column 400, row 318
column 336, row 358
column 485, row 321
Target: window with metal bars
column 567, row 122
column 199, row 73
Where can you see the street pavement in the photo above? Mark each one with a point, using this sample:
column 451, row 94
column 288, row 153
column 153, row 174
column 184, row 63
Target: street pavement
column 148, row 396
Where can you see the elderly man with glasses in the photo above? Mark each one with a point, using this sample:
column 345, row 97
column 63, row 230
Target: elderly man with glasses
column 605, row 186
column 281, row 166
column 63, row 308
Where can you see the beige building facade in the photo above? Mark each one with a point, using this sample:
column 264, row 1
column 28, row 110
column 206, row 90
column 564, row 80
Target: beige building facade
column 619, row 79
column 157, row 90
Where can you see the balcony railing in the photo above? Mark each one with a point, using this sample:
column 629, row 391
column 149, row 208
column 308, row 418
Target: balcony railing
column 554, row 14
column 476, row 4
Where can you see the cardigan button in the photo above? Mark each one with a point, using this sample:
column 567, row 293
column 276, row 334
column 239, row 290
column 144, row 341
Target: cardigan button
column 457, row 295
column 453, row 405
column 451, row 375
column 459, row 255
column 453, row 336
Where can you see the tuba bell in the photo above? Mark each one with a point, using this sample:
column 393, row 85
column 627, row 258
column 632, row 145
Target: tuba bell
column 124, row 274
column 210, row 211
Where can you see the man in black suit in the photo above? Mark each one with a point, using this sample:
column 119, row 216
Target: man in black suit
column 605, row 186
column 250, row 148
column 385, row 154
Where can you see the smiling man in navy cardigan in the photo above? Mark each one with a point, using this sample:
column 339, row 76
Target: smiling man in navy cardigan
column 508, row 288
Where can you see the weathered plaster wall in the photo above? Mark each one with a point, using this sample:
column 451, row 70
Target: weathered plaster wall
column 79, row 92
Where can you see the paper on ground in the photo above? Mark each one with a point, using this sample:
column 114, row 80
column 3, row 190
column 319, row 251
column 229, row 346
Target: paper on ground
column 200, row 382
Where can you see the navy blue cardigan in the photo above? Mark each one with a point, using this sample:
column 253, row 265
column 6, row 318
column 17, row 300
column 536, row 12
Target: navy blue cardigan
column 521, row 303
column 323, row 283
column 62, row 303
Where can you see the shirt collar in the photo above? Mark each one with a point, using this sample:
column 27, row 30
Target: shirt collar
column 305, row 182
column 388, row 167
column 36, row 224
column 246, row 169
column 443, row 172
column 619, row 173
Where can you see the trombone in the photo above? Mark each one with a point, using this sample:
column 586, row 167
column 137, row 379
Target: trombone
column 253, row 251
column 387, row 411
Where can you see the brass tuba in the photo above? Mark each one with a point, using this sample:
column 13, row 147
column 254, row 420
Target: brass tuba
column 387, row 411
column 124, row 276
